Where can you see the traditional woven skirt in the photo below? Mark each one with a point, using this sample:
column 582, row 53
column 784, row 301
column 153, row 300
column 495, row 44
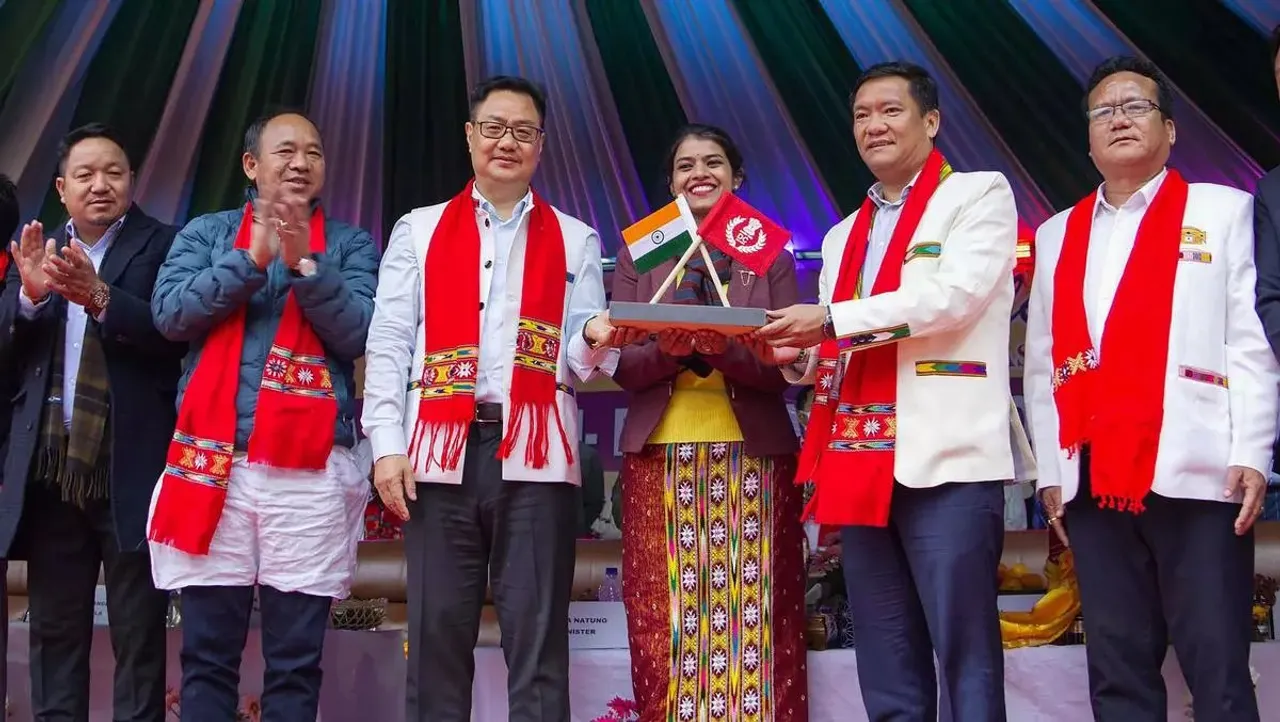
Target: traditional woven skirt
column 713, row 580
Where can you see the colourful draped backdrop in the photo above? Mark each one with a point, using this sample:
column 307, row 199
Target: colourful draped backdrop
column 387, row 82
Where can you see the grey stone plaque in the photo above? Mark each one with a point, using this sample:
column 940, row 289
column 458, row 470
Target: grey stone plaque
column 655, row 317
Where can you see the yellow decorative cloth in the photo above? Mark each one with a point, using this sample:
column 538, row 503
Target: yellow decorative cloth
column 1052, row 614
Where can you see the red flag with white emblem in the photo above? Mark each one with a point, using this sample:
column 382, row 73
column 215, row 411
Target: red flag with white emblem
column 744, row 233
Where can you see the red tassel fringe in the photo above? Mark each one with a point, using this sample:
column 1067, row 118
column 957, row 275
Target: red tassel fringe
column 538, row 450
column 428, row 434
column 186, row 515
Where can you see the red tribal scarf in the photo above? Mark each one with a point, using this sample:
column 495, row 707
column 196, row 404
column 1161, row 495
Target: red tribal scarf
column 447, row 402
column 292, row 426
column 849, row 445
column 1117, row 407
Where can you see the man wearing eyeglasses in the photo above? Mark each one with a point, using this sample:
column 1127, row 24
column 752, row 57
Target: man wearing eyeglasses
column 1151, row 393
column 484, row 305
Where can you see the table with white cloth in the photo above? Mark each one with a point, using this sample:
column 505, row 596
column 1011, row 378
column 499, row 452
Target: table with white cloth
column 365, row 680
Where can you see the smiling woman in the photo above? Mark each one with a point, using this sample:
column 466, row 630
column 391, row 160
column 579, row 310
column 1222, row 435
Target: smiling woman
column 709, row 446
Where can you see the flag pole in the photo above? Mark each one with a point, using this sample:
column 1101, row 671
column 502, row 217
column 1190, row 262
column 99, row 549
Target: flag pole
column 711, row 268
column 687, row 215
column 671, row 277
column 689, row 220
column 707, row 255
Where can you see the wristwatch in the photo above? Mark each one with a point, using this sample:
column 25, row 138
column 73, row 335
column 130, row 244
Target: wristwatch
column 306, row 268
column 829, row 327
column 99, row 297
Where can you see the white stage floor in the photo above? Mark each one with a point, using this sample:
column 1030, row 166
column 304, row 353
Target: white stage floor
column 364, row 680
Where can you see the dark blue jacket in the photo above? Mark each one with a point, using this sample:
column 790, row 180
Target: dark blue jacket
column 205, row 279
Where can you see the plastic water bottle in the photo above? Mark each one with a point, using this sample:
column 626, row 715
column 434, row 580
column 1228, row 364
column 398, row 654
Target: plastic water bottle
column 610, row 590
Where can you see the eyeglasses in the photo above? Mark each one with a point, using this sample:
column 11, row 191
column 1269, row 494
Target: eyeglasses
column 523, row 133
column 1131, row 109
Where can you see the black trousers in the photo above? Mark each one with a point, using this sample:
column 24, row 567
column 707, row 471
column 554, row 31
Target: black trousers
column 518, row 536
column 66, row 545
column 4, row 630
column 215, row 626
column 1175, row 573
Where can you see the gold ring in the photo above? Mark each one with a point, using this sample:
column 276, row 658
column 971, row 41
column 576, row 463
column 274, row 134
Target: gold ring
column 1053, row 520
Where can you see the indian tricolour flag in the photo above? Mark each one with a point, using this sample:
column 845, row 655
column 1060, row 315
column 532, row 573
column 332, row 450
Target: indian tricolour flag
column 664, row 234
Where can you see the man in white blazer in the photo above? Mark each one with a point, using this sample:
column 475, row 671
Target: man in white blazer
column 908, row 438
column 1151, row 394
column 484, row 305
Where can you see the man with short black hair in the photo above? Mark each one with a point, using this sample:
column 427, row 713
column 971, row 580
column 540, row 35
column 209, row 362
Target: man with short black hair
column 910, row 352
column 91, row 422
column 1152, row 397
column 485, row 303
column 263, row 487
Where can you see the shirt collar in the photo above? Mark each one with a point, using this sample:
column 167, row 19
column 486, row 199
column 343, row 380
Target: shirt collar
column 876, row 194
column 524, row 206
column 1141, row 199
column 106, row 238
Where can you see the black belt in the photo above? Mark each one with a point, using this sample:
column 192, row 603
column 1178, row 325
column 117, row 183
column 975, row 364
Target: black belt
column 489, row 413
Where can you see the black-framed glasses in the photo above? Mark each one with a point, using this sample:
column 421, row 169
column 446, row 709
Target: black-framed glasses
column 1131, row 109
column 494, row 130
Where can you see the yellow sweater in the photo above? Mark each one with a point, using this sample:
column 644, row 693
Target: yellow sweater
column 698, row 412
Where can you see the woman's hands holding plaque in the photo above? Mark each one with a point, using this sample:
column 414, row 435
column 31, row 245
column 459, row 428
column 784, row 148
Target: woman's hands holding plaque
column 675, row 342
column 710, row 343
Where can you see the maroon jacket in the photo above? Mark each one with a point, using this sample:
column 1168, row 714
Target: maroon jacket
column 755, row 390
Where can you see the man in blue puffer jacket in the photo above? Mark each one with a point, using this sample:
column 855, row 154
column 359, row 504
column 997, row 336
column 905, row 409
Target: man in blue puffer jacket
column 262, row 487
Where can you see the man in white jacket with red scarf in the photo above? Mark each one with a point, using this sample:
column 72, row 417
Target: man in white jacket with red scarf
column 908, row 440
column 485, row 304
column 1151, row 393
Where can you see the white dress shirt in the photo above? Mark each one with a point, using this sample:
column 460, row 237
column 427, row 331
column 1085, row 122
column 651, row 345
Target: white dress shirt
column 1111, row 241
column 76, row 317
column 394, row 333
column 492, row 357
column 883, row 224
